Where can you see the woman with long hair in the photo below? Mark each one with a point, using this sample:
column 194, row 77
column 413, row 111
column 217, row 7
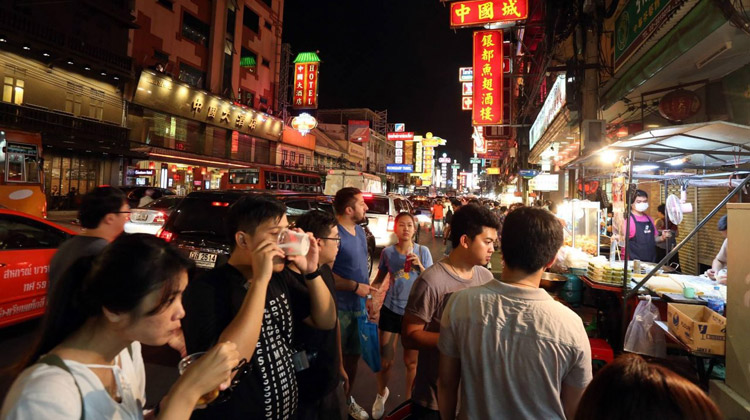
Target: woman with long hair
column 632, row 388
column 87, row 362
column 403, row 263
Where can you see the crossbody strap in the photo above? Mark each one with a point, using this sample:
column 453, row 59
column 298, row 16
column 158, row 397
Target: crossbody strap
column 55, row 360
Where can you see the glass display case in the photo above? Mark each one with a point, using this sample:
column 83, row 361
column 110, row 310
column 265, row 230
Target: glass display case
column 583, row 222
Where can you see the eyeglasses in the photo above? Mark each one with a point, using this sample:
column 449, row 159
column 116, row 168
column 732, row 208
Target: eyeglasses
column 332, row 239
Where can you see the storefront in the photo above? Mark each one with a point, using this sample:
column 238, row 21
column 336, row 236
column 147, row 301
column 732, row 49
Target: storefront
column 191, row 137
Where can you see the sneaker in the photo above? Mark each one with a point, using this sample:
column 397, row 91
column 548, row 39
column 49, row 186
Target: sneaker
column 356, row 411
column 378, row 407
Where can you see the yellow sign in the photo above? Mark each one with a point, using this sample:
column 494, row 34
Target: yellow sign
column 493, row 171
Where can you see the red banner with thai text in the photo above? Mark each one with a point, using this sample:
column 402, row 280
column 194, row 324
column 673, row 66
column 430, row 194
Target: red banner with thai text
column 488, row 78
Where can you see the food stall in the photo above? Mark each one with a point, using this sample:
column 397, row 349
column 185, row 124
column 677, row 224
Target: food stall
column 702, row 155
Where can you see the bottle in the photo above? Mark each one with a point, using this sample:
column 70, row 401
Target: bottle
column 407, row 265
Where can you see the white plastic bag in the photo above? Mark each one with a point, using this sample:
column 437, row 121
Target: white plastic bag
column 643, row 335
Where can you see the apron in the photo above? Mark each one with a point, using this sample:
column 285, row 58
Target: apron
column 643, row 245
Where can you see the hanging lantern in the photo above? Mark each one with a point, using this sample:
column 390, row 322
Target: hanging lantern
column 151, row 165
column 679, row 105
column 174, row 168
column 203, row 171
column 190, row 169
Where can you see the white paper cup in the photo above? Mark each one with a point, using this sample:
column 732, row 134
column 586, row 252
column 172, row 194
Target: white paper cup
column 294, row 243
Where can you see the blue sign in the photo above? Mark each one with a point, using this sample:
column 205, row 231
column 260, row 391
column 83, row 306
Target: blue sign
column 399, row 168
column 528, row 173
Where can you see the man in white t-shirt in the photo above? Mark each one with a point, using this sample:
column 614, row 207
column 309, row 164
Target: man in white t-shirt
column 720, row 261
column 517, row 353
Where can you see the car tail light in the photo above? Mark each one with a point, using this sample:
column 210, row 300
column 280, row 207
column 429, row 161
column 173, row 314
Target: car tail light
column 367, row 195
column 391, row 223
column 164, row 234
column 160, row 217
column 220, row 204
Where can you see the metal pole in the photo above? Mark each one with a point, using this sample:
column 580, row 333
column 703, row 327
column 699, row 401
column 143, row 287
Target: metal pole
column 688, row 237
column 625, row 277
column 666, row 215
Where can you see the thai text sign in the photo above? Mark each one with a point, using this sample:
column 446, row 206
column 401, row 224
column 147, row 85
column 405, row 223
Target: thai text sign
column 552, row 106
column 482, row 12
column 403, row 135
column 488, row 78
column 637, row 22
column 305, row 85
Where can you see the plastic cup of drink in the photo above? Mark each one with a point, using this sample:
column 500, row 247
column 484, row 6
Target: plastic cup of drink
column 407, row 265
column 205, row 399
column 294, row 243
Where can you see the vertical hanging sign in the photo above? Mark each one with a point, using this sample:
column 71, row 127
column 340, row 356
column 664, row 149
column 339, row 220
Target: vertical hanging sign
column 488, row 78
column 306, row 67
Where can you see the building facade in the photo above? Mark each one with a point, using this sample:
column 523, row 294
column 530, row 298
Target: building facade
column 64, row 67
column 207, row 76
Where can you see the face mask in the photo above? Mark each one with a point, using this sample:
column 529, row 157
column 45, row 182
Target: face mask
column 641, row 207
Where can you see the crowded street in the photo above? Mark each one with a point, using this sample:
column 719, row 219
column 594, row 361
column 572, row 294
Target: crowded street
column 396, row 210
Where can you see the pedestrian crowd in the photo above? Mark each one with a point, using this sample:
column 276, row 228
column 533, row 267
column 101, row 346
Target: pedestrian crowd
column 274, row 335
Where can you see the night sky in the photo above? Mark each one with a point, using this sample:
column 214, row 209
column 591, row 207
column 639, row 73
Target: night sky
column 398, row 55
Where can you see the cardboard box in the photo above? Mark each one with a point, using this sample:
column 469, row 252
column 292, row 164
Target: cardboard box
column 698, row 327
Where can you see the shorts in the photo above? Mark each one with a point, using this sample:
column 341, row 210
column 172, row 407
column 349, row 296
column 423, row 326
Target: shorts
column 350, row 332
column 390, row 321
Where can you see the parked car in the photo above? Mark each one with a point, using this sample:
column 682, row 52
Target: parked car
column 423, row 211
column 381, row 215
column 135, row 194
column 151, row 217
column 196, row 226
column 27, row 244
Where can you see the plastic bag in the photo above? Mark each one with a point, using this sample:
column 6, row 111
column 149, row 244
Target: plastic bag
column 368, row 341
column 643, row 335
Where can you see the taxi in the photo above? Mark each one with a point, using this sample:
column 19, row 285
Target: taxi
column 27, row 244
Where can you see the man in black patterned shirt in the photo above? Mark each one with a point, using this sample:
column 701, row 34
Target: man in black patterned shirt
column 247, row 301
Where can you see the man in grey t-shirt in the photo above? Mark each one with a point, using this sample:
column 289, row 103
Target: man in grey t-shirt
column 473, row 233
column 103, row 214
column 517, row 353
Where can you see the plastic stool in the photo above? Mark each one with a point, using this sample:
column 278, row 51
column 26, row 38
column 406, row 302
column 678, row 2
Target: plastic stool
column 601, row 350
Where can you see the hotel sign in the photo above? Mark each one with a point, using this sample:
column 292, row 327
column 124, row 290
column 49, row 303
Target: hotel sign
column 161, row 93
column 306, row 67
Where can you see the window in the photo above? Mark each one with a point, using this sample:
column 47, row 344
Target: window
column 13, row 90
column 73, row 99
column 251, row 20
column 21, row 233
column 265, row 63
column 301, row 159
column 166, row 3
column 284, row 156
column 268, row 3
column 247, row 98
column 161, row 56
column 293, row 156
column 227, row 75
column 96, row 104
column 231, row 21
column 268, row 26
column 195, row 30
column 191, row 75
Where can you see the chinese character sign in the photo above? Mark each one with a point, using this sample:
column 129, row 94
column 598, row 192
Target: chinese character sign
column 488, row 78
column 482, row 12
column 305, row 85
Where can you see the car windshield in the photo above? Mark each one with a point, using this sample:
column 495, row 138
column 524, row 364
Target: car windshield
column 377, row 205
column 200, row 215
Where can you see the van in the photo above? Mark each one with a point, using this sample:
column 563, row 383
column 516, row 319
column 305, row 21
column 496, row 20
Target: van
column 337, row 179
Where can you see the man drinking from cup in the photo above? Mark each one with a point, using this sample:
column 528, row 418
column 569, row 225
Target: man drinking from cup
column 247, row 301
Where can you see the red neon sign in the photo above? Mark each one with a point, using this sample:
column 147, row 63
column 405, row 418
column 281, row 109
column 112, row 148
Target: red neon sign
column 481, row 12
column 488, row 78
column 305, row 85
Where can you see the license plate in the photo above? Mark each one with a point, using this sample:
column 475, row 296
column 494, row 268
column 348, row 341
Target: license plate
column 140, row 217
column 203, row 259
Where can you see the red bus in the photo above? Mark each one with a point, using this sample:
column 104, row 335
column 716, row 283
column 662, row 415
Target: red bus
column 267, row 177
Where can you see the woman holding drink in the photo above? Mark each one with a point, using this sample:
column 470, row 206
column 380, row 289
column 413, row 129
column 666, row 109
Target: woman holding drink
column 87, row 362
column 403, row 262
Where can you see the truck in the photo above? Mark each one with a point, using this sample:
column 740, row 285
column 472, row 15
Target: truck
column 337, row 179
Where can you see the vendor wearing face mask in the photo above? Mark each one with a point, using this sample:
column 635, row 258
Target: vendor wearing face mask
column 643, row 233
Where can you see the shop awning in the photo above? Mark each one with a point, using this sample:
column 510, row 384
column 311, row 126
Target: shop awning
column 177, row 156
column 702, row 145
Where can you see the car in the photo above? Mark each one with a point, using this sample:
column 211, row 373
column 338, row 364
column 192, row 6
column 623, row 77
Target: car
column 135, row 193
column 151, row 217
column 27, row 244
column 422, row 211
column 381, row 214
column 196, row 226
